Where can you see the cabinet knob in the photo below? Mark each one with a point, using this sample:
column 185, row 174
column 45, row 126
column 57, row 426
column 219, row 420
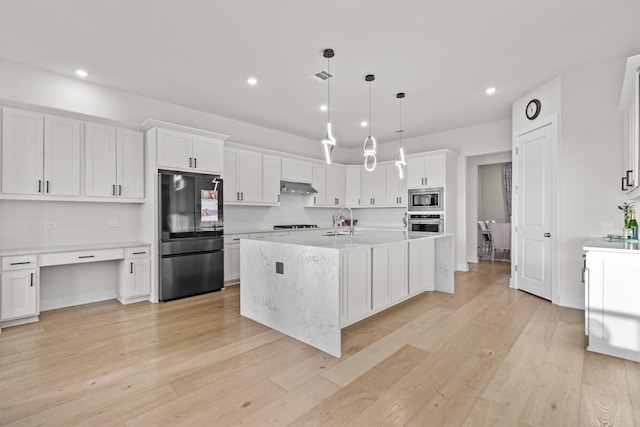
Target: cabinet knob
column 547, row 235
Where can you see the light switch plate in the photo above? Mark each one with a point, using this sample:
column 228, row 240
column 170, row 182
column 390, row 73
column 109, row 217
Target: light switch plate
column 49, row 225
column 113, row 223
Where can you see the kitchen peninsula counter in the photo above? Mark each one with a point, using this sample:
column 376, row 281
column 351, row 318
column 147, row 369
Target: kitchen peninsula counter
column 311, row 286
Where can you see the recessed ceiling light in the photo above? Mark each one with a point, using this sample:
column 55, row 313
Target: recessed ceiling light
column 323, row 108
column 490, row 90
column 81, row 73
column 252, row 81
column 364, row 123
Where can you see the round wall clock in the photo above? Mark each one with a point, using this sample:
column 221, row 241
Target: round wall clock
column 533, row 109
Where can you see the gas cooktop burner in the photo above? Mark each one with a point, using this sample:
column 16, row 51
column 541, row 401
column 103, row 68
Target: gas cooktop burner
column 282, row 227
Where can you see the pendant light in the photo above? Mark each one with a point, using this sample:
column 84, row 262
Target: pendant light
column 370, row 141
column 400, row 161
column 329, row 141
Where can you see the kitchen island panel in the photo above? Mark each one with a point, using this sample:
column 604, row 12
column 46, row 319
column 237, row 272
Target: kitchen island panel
column 303, row 301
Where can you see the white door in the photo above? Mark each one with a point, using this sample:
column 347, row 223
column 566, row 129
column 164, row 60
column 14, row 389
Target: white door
column 379, row 189
column 352, row 177
column 434, row 170
column 130, row 165
column 319, row 182
column 231, row 191
column 336, row 186
column 100, row 160
column 415, row 172
column 19, row 294
column 534, row 204
column 207, row 154
column 270, row 179
column 139, row 281
column 61, row 156
column 22, row 152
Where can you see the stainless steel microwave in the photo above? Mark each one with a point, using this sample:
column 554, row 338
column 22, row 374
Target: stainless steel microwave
column 426, row 199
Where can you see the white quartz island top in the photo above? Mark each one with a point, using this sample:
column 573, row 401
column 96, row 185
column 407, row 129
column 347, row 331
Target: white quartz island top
column 612, row 245
column 360, row 239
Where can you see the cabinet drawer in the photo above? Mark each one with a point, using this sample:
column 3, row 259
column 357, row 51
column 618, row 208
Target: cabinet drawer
column 139, row 252
column 234, row 238
column 78, row 257
column 19, row 262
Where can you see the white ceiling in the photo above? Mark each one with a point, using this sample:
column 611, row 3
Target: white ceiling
column 442, row 53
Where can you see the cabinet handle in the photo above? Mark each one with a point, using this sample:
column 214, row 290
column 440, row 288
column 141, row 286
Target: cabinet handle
column 113, row 190
column 278, row 198
column 236, row 238
column 189, row 161
column 195, row 162
column 131, row 268
column 358, row 202
column 20, row 263
column 39, row 186
column 138, row 253
column 400, row 199
column 86, row 256
column 31, row 279
column 629, row 180
column 119, row 189
column 241, row 196
column 47, row 186
column 623, row 186
column 314, row 200
column 426, row 180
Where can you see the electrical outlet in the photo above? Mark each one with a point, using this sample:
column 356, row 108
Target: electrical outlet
column 606, row 225
column 113, row 223
column 50, row 225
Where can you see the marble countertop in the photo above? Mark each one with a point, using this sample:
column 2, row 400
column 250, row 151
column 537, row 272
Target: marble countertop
column 606, row 245
column 231, row 231
column 362, row 239
column 70, row 248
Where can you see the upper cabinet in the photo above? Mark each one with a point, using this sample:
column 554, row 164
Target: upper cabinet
column 352, row 185
column 425, row 171
column 189, row 152
column 296, row 170
column 630, row 104
column 330, row 183
column 373, row 187
column 396, row 188
column 271, row 166
column 40, row 154
column 244, row 180
column 114, row 162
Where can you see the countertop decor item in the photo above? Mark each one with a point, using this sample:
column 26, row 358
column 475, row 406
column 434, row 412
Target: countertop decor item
column 626, row 209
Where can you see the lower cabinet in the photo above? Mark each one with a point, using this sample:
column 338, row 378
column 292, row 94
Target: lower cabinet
column 611, row 300
column 20, row 289
column 135, row 281
column 232, row 257
column 355, row 272
column 421, row 265
column 389, row 274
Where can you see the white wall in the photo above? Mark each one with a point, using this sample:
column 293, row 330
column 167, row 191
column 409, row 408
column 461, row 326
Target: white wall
column 590, row 148
column 491, row 201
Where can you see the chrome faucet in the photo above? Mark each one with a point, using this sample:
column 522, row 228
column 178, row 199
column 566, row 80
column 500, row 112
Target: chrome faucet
column 350, row 220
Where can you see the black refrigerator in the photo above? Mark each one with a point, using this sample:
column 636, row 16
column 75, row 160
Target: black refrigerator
column 191, row 235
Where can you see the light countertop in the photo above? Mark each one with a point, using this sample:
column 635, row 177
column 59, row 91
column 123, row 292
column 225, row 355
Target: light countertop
column 361, row 239
column 231, row 231
column 606, row 245
column 70, row 248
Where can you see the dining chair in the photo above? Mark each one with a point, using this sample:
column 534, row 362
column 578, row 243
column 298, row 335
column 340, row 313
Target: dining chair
column 500, row 237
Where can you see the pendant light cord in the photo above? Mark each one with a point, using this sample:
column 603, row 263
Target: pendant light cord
column 329, row 91
column 369, row 109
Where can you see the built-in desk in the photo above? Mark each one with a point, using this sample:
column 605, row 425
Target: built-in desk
column 20, row 277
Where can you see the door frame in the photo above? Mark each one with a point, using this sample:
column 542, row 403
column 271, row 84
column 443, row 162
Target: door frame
column 553, row 121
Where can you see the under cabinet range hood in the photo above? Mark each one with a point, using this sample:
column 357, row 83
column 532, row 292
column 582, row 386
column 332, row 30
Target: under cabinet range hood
column 296, row 187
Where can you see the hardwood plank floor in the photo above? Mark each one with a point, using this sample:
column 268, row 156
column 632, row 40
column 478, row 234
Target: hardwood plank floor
column 486, row 355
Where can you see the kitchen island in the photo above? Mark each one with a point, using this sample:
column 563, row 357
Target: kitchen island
column 309, row 286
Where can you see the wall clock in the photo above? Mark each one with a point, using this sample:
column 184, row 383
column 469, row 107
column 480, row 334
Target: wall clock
column 533, row 109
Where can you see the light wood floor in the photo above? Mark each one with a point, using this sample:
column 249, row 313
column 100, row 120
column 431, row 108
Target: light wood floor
column 487, row 355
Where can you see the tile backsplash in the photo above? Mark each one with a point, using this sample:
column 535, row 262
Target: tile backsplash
column 34, row 224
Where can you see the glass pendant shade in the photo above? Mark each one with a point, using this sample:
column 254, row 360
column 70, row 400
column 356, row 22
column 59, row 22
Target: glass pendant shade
column 370, row 153
column 401, row 162
column 328, row 142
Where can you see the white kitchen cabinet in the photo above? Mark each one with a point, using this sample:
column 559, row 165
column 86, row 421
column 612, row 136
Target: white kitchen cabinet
column 355, row 266
column 232, row 257
column 114, row 162
column 389, row 276
column 40, row 154
column 183, row 151
column 426, row 171
column 135, row 281
column 396, row 190
column 421, row 265
column 373, row 187
column 611, row 301
column 352, row 186
column 630, row 104
column 319, row 182
column 243, row 178
column 335, row 185
column 296, row 170
column 271, row 179
column 19, row 288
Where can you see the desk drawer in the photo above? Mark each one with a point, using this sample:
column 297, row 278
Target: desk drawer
column 139, row 252
column 78, row 257
column 21, row 262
